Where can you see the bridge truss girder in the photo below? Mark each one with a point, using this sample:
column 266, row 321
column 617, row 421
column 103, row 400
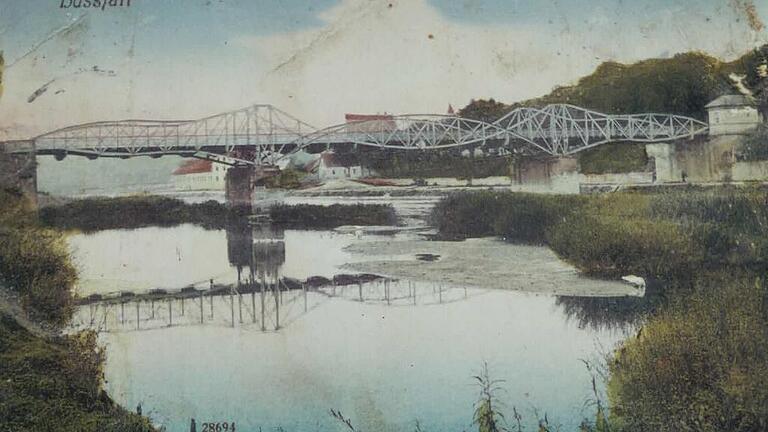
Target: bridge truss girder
column 263, row 134
column 562, row 129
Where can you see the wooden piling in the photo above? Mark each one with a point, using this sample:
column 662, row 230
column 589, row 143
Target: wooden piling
column 253, row 305
column 232, row 307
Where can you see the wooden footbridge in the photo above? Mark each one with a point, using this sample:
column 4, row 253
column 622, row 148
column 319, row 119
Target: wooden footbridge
column 268, row 305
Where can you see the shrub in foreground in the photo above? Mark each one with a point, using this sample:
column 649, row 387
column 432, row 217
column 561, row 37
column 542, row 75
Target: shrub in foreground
column 35, row 263
column 55, row 385
column 699, row 365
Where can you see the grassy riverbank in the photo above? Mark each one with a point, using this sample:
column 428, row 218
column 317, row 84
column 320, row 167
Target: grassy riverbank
column 48, row 382
column 666, row 235
column 94, row 214
column 56, row 385
column 700, row 359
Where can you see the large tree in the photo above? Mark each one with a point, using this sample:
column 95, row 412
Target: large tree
column 487, row 110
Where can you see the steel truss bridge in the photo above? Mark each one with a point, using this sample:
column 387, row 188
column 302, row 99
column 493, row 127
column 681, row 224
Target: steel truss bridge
column 263, row 134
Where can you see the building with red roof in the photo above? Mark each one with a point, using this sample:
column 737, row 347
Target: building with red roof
column 370, row 123
column 199, row 174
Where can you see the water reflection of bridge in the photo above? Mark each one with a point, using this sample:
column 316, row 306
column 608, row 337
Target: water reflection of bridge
column 261, row 298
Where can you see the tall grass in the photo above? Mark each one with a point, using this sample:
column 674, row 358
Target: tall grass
column 700, row 361
column 93, row 214
column 56, row 385
column 516, row 217
column 34, row 262
column 701, row 364
column 667, row 235
column 47, row 383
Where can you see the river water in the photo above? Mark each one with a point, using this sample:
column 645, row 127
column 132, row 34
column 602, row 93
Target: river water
column 384, row 353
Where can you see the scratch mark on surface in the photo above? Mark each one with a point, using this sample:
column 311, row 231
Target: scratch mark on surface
column 324, row 36
column 58, row 32
column 310, row 47
column 2, row 66
column 93, row 70
column 749, row 11
column 40, row 91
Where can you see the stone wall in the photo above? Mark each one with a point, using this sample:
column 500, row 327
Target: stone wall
column 750, row 171
column 698, row 161
column 630, row 178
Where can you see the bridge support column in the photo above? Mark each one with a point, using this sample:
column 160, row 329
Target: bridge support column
column 666, row 167
column 239, row 186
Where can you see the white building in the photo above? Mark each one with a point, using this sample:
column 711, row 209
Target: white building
column 332, row 165
column 197, row 174
column 732, row 114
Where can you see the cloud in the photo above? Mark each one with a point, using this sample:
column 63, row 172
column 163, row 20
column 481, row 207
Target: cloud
column 405, row 56
column 362, row 56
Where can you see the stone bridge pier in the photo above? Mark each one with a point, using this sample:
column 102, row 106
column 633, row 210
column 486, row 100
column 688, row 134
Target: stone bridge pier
column 18, row 168
column 240, row 183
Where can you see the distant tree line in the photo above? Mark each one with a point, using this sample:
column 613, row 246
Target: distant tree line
column 682, row 85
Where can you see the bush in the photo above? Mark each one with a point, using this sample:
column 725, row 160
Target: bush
column 700, row 365
column 666, row 235
column 613, row 158
column 287, row 179
column 516, row 217
column 35, row 263
column 755, row 145
column 614, row 247
column 52, row 385
column 92, row 214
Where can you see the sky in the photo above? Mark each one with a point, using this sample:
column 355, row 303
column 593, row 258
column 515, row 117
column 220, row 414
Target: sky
column 185, row 59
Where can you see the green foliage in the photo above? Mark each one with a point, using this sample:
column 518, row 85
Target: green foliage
column 93, row 214
column 683, row 84
column 408, row 164
column 34, row 262
column 613, row 247
column 55, row 385
column 317, row 216
column 755, row 145
column 484, row 110
column 15, row 209
column 488, row 416
column 700, row 362
column 514, row 216
column 667, row 235
column 700, row 365
column 613, row 158
column 287, row 179
column 47, row 384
